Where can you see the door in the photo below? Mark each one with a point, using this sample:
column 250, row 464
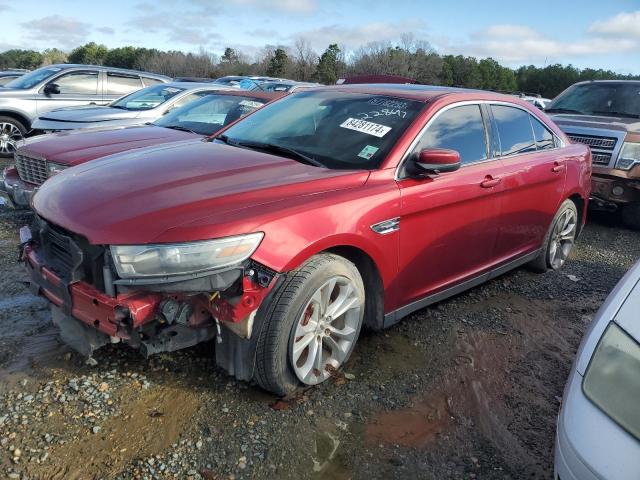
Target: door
column 533, row 179
column 80, row 87
column 448, row 224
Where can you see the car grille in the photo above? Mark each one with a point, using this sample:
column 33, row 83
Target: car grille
column 60, row 251
column 602, row 147
column 31, row 169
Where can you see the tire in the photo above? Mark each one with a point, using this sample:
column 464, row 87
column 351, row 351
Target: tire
column 12, row 132
column 555, row 250
column 631, row 215
column 295, row 316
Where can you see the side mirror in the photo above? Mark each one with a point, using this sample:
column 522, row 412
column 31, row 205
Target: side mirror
column 51, row 88
column 437, row 160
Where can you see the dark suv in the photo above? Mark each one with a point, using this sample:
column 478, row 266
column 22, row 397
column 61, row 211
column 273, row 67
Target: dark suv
column 606, row 116
column 57, row 86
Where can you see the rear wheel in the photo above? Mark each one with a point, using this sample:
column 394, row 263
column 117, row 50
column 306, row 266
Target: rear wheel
column 631, row 215
column 559, row 240
column 12, row 132
column 312, row 325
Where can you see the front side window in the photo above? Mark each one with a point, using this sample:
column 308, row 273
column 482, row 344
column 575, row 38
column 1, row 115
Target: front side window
column 189, row 98
column 209, row 114
column 514, row 130
column 460, row 129
column 122, row 84
column 544, row 138
column 147, row 98
column 338, row 129
column 78, row 83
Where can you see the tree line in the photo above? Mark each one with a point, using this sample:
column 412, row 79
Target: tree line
column 409, row 58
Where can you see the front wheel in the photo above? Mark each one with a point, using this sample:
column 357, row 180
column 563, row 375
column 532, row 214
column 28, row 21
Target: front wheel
column 12, row 132
column 631, row 215
column 559, row 240
column 312, row 325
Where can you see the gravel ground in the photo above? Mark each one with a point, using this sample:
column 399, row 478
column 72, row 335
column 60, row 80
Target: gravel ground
column 469, row 388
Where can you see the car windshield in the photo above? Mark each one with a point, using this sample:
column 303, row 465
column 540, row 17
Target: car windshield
column 147, row 98
column 209, row 114
column 336, row 129
column 32, row 79
column 614, row 99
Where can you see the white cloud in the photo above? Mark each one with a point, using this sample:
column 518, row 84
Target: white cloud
column 288, row 6
column 517, row 44
column 354, row 37
column 64, row 31
column 626, row 24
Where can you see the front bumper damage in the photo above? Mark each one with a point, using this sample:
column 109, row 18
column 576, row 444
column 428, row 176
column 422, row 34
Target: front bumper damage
column 15, row 192
column 610, row 189
column 164, row 317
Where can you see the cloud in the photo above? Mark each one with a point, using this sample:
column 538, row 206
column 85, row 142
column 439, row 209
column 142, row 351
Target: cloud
column 516, row 44
column 287, row 6
column 354, row 37
column 626, row 24
column 106, row 30
column 65, row 31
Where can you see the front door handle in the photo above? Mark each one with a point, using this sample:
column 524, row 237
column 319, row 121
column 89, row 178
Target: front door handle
column 558, row 167
column 490, row 182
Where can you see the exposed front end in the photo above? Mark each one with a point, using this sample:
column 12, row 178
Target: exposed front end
column 98, row 297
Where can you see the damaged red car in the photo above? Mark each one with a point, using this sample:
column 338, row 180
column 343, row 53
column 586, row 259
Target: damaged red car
column 323, row 212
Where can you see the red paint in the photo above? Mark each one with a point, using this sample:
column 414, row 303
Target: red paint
column 452, row 226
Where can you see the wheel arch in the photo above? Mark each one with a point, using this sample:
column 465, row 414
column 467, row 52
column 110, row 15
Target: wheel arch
column 580, row 204
column 23, row 119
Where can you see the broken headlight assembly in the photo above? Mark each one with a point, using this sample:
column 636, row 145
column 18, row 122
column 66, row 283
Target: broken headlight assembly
column 612, row 381
column 55, row 168
column 629, row 156
column 135, row 261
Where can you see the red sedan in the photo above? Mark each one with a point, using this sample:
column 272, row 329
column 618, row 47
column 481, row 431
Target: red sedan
column 322, row 212
column 47, row 155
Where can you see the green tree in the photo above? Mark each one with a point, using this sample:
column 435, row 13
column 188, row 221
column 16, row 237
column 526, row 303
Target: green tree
column 52, row 56
column 90, row 53
column 328, row 65
column 123, row 57
column 16, row 58
column 278, row 63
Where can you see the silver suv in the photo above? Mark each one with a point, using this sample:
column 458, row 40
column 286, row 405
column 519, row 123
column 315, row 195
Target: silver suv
column 56, row 86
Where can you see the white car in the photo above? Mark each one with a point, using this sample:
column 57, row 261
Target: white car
column 143, row 106
column 598, row 434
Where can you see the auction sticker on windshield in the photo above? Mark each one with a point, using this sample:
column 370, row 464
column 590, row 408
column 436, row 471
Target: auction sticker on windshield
column 363, row 126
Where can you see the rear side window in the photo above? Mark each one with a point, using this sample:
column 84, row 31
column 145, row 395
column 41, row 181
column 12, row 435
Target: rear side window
column 544, row 138
column 122, row 84
column 514, row 130
column 460, row 129
column 151, row 81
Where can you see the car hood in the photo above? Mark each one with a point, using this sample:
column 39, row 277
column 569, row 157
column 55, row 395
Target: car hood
column 597, row 121
column 135, row 197
column 74, row 147
column 90, row 114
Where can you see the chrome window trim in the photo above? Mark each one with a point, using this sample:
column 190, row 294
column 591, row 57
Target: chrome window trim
column 462, row 103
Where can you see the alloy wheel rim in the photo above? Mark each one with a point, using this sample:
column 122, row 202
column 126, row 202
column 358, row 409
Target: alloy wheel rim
column 562, row 238
column 10, row 135
column 326, row 331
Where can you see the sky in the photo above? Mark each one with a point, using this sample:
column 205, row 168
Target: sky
column 589, row 33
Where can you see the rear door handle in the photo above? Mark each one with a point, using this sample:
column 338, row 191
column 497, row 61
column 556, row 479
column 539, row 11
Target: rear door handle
column 558, row 167
column 490, row 182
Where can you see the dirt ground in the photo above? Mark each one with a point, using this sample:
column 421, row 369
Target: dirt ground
column 469, row 388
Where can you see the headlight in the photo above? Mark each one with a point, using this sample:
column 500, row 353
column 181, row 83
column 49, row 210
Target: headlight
column 55, row 168
column 612, row 380
column 183, row 258
column 629, row 156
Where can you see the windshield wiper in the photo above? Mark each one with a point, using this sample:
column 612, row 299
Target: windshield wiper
column 272, row 147
column 563, row 110
column 615, row 114
column 179, row 127
column 119, row 107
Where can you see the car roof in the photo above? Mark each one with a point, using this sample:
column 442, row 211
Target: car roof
column 422, row 93
column 193, row 85
column 623, row 82
column 66, row 66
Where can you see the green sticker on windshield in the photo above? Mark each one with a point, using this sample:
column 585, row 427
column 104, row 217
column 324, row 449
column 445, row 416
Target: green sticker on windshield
column 368, row 152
